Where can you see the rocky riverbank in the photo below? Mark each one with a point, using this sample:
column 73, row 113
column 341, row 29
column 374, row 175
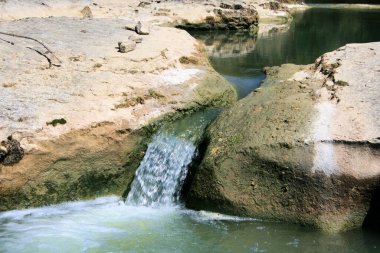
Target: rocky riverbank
column 77, row 122
column 82, row 83
column 79, row 105
column 303, row 148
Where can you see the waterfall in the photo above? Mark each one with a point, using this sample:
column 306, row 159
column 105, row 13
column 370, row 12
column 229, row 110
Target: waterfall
column 160, row 176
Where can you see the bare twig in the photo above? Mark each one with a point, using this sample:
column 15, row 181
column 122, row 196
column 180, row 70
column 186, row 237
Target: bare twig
column 7, row 41
column 39, row 42
column 47, row 58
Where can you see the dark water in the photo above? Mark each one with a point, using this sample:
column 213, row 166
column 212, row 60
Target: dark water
column 312, row 33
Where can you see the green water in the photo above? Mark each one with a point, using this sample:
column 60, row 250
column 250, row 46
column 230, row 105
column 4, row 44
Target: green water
column 312, row 33
column 109, row 225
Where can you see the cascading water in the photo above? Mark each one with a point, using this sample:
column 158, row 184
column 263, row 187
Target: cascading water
column 160, row 176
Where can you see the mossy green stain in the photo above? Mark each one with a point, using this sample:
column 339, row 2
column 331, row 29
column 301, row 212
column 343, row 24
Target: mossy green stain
column 55, row 122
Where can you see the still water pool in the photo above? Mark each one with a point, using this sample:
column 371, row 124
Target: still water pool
column 240, row 57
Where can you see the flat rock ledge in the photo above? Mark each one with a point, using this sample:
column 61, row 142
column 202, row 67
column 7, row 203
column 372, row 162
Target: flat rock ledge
column 83, row 83
column 82, row 111
column 210, row 14
column 303, row 148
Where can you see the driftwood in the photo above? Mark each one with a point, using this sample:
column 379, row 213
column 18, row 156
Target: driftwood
column 39, row 42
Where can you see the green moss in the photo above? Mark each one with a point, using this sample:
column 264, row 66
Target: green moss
column 215, row 91
column 55, row 122
column 236, row 138
column 188, row 60
column 341, row 83
column 128, row 102
column 253, row 29
column 154, row 94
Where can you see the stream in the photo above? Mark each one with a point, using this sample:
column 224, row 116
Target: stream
column 153, row 218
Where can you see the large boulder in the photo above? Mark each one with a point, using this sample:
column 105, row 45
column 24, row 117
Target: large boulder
column 302, row 148
column 219, row 16
column 206, row 15
column 78, row 114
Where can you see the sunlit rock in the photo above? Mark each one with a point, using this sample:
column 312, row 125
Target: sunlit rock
column 303, row 148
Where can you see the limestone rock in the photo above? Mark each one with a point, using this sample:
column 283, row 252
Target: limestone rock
column 130, row 27
column 135, row 38
column 313, row 151
column 227, row 17
column 186, row 13
column 142, row 29
column 126, row 46
column 98, row 149
column 86, row 12
column 272, row 5
column 139, row 28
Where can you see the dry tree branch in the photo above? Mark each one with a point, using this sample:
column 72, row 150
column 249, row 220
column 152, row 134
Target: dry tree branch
column 7, row 41
column 39, row 42
column 40, row 53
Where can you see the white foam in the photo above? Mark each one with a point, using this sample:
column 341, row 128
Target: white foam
column 59, row 209
column 205, row 216
column 162, row 172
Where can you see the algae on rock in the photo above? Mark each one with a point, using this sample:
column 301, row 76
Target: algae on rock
column 282, row 153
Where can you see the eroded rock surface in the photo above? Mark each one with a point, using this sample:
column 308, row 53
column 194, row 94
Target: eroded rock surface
column 225, row 17
column 106, row 99
column 205, row 15
column 303, row 148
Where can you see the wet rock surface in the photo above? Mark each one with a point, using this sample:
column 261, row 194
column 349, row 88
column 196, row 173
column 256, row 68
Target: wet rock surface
column 302, row 148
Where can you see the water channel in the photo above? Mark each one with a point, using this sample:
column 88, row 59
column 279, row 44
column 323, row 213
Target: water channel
column 151, row 222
